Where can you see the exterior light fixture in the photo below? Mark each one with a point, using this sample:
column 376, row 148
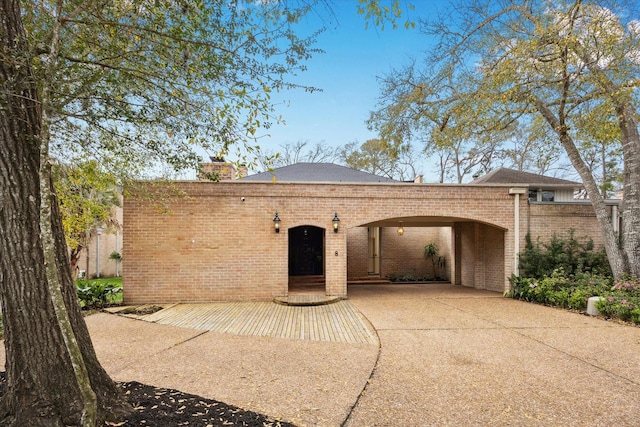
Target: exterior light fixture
column 400, row 229
column 336, row 222
column 276, row 223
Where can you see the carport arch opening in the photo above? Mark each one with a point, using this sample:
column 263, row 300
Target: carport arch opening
column 473, row 252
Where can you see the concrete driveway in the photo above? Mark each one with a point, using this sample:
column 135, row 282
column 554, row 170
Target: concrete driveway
column 447, row 356
column 457, row 356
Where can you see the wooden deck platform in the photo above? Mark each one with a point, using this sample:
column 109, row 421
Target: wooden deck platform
column 337, row 322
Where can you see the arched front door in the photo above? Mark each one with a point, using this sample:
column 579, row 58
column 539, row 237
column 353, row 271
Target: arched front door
column 306, row 251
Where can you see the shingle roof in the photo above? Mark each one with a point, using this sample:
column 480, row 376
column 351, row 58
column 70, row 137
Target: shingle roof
column 317, row 172
column 512, row 176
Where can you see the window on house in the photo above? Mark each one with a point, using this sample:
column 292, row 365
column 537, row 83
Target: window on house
column 548, row 196
column 533, row 195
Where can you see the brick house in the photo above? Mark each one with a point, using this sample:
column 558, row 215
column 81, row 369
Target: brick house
column 257, row 237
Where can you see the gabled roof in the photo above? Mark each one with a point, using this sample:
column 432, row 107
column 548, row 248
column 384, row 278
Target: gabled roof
column 317, row 172
column 512, row 176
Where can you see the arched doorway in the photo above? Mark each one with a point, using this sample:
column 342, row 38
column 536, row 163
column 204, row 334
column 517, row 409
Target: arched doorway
column 306, row 257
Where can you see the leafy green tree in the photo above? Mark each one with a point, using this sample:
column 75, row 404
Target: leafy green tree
column 430, row 252
column 503, row 64
column 87, row 197
column 131, row 83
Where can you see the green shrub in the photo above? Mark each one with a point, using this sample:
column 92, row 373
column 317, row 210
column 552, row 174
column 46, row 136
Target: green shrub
column 97, row 294
column 572, row 256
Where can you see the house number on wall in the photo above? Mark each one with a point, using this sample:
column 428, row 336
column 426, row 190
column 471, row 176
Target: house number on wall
column 336, row 253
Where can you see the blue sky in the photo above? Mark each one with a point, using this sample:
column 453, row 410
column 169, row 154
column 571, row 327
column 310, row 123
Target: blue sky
column 354, row 56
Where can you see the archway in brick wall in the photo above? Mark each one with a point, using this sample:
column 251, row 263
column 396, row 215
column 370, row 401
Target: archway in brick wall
column 470, row 253
column 306, row 259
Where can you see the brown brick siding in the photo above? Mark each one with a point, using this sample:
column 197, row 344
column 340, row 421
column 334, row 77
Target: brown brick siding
column 403, row 255
column 214, row 246
column 547, row 219
column 357, row 253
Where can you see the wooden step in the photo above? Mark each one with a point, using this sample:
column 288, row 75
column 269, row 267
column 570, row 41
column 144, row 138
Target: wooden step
column 306, row 300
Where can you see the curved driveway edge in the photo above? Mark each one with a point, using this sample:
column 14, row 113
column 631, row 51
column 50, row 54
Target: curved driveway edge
column 457, row 356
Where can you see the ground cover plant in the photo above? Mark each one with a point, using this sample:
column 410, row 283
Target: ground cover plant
column 99, row 293
column 395, row 277
column 622, row 301
column 560, row 289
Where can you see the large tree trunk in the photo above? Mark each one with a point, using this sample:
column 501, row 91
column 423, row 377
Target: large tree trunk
column 631, row 189
column 74, row 259
column 624, row 103
column 615, row 255
column 43, row 388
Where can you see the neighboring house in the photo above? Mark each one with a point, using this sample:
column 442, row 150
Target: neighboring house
column 255, row 237
column 95, row 260
column 541, row 188
column 553, row 206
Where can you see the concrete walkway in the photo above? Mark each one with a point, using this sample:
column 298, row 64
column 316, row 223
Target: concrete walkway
column 447, row 355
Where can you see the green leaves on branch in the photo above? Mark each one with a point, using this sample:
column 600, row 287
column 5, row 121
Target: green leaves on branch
column 381, row 157
column 87, row 196
column 381, row 13
column 145, row 82
column 497, row 64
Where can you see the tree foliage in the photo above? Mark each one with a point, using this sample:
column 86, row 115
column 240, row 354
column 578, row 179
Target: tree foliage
column 140, row 82
column 382, row 158
column 381, row 13
column 531, row 148
column 87, row 197
column 571, row 68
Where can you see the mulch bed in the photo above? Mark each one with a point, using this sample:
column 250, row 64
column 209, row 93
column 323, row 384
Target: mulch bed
column 161, row 407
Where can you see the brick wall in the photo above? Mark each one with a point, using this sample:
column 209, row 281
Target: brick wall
column 466, row 261
column 357, row 253
column 545, row 219
column 404, row 255
column 219, row 242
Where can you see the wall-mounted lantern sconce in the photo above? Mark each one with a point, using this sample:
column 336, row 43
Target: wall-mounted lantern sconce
column 400, row 229
column 276, row 223
column 336, row 222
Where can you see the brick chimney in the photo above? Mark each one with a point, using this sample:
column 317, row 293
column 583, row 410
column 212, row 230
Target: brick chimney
column 219, row 170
